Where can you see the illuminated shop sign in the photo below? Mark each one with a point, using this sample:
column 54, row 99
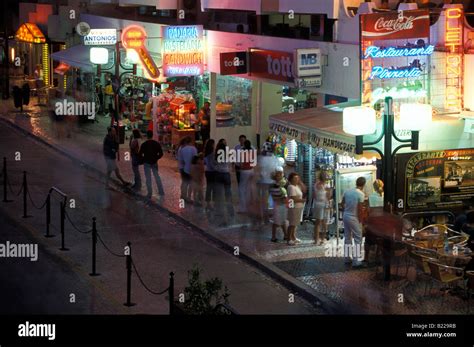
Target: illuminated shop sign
column 308, row 62
column 384, row 73
column 133, row 38
column 272, row 65
column 183, row 50
column 395, row 52
column 454, row 59
column 398, row 93
column 29, row 32
column 395, row 25
column 101, row 37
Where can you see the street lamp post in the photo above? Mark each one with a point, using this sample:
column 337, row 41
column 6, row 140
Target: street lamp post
column 413, row 117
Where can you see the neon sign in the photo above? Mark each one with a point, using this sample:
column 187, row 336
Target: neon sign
column 454, row 59
column 392, row 52
column 133, row 37
column 183, row 50
column 384, row 73
column 397, row 93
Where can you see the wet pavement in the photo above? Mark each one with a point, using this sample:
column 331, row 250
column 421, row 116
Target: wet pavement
column 359, row 290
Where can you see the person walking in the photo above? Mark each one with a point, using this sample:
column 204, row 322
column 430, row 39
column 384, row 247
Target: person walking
column 186, row 153
column 210, row 172
column 322, row 196
column 223, row 182
column 197, row 177
column 240, row 146
column 246, row 177
column 151, row 152
column 296, row 191
column 352, row 205
column 137, row 160
column 205, row 121
column 110, row 150
column 279, row 195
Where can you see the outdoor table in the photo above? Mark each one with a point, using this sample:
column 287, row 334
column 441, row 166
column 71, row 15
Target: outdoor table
column 389, row 228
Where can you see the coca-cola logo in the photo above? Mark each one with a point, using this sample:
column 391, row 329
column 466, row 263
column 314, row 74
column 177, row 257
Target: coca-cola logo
column 394, row 25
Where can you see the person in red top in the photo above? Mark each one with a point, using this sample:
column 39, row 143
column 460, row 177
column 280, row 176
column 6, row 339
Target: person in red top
column 246, row 177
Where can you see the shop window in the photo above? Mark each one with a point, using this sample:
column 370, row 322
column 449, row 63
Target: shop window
column 297, row 99
column 234, row 95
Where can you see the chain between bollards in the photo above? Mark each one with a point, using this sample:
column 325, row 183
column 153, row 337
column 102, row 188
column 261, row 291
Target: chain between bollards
column 94, row 247
column 25, row 193
column 48, row 215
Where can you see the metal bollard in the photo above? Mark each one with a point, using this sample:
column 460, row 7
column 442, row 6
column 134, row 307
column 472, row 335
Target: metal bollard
column 48, row 216
column 5, row 181
column 94, row 247
column 25, row 192
column 171, row 293
column 128, row 259
column 62, row 206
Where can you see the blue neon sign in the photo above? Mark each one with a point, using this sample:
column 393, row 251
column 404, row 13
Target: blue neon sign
column 393, row 52
column 384, row 73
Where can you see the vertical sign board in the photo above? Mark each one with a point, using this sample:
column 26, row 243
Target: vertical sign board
column 183, row 50
column 454, row 59
column 134, row 37
column 435, row 180
column 394, row 52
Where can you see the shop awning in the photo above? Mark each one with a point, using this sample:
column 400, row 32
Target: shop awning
column 319, row 127
column 62, row 68
column 76, row 56
column 29, row 32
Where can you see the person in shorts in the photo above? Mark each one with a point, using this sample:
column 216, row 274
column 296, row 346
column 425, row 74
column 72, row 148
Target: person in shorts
column 280, row 211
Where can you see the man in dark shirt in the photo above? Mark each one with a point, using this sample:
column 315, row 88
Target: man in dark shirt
column 205, row 121
column 110, row 150
column 151, row 152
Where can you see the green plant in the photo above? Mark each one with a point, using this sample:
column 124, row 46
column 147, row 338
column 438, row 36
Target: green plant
column 202, row 297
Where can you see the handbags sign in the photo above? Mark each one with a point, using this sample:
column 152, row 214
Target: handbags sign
column 395, row 25
column 233, row 63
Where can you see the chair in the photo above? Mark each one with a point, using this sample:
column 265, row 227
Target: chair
column 421, row 265
column 445, row 275
column 469, row 288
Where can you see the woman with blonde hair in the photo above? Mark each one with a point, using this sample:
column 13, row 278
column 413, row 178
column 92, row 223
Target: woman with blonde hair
column 376, row 198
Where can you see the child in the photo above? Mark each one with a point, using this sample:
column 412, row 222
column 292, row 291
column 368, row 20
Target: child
column 197, row 177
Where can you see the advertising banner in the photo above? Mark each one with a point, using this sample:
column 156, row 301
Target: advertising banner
column 435, row 180
column 272, row 65
column 395, row 25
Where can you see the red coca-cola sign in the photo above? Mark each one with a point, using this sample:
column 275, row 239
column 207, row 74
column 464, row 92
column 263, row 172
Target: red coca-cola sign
column 395, row 25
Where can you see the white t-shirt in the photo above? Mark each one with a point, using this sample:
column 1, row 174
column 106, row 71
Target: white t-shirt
column 295, row 191
column 352, row 198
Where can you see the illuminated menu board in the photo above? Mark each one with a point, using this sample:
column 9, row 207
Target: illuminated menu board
column 183, row 50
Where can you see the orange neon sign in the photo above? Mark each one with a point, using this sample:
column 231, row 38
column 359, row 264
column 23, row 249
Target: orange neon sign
column 133, row 37
column 454, row 59
column 29, row 32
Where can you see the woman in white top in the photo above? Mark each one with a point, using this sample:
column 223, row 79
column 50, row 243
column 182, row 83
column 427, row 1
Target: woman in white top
column 376, row 198
column 322, row 195
column 296, row 189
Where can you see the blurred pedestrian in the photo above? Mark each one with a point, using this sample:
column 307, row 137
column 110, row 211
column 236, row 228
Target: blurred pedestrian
column 210, row 172
column 197, row 177
column 296, row 196
column 137, row 160
column 279, row 196
column 186, row 153
column 111, row 150
column 240, row 146
column 322, row 196
column 151, row 152
column 223, row 184
column 246, row 171
column 205, row 121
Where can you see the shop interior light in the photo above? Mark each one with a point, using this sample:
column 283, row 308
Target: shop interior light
column 415, row 117
column 359, row 120
column 99, row 55
column 132, row 56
